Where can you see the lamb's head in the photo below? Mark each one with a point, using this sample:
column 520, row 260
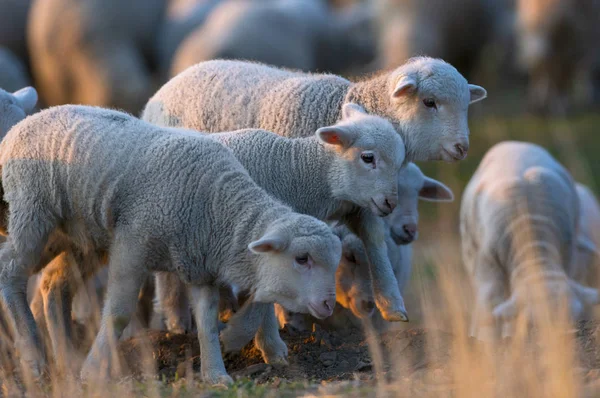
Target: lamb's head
column 300, row 255
column 429, row 100
column 412, row 186
column 369, row 155
column 15, row 107
column 353, row 279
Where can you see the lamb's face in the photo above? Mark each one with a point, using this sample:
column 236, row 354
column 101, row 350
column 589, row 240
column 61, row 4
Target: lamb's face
column 15, row 107
column 429, row 100
column 353, row 280
column 412, row 186
column 369, row 157
column 299, row 258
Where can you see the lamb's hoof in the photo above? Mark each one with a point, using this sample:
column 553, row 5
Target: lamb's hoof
column 276, row 361
column 395, row 316
column 217, row 379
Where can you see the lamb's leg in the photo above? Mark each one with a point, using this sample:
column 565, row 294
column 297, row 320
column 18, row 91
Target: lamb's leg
column 126, row 274
column 273, row 349
column 172, row 302
column 370, row 230
column 205, row 301
column 490, row 291
column 19, row 256
column 243, row 326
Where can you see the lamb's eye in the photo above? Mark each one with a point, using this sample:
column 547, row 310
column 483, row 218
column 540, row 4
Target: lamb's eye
column 430, row 103
column 302, row 260
column 367, row 157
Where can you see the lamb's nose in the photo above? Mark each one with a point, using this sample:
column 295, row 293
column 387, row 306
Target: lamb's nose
column 461, row 150
column 410, row 230
column 329, row 304
column 391, row 203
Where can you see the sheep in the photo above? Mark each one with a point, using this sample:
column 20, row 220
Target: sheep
column 426, row 100
column 297, row 34
column 161, row 210
column 518, row 224
column 13, row 74
column 101, row 56
column 180, row 21
column 353, row 281
column 360, row 151
column 439, row 28
column 557, row 49
column 15, row 107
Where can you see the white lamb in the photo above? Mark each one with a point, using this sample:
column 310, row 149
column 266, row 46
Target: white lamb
column 519, row 222
column 426, row 99
column 354, row 290
column 316, row 176
column 71, row 170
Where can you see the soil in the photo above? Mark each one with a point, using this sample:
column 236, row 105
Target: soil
column 330, row 355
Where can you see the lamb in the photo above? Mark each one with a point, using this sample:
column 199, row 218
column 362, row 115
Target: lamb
column 360, row 151
column 518, row 223
column 426, row 99
column 13, row 74
column 557, row 48
column 15, row 107
column 353, row 281
column 297, row 34
column 100, row 57
column 160, row 210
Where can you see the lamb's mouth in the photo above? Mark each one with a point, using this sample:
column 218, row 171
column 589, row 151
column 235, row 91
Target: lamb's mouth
column 382, row 213
column 400, row 240
column 452, row 157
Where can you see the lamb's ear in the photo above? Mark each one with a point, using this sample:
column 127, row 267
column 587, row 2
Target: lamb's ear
column 435, row 191
column 405, row 85
column 350, row 109
column 477, row 93
column 268, row 243
column 336, row 135
column 587, row 294
column 27, row 97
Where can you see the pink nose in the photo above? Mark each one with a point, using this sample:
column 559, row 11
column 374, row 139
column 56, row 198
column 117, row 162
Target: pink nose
column 391, row 202
column 461, row 150
column 410, row 230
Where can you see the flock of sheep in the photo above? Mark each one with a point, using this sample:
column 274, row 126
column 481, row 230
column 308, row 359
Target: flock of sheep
column 244, row 188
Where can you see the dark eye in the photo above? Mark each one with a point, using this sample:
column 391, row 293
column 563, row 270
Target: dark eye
column 302, row 260
column 430, row 103
column 367, row 157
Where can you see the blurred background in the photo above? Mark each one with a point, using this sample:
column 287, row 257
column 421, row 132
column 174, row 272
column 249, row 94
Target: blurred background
column 538, row 59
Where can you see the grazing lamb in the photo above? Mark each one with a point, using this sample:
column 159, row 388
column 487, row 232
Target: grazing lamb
column 13, row 74
column 15, row 107
column 296, row 34
column 160, row 210
column 98, row 55
column 518, row 223
column 426, row 99
column 360, row 151
column 353, row 280
column 557, row 47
